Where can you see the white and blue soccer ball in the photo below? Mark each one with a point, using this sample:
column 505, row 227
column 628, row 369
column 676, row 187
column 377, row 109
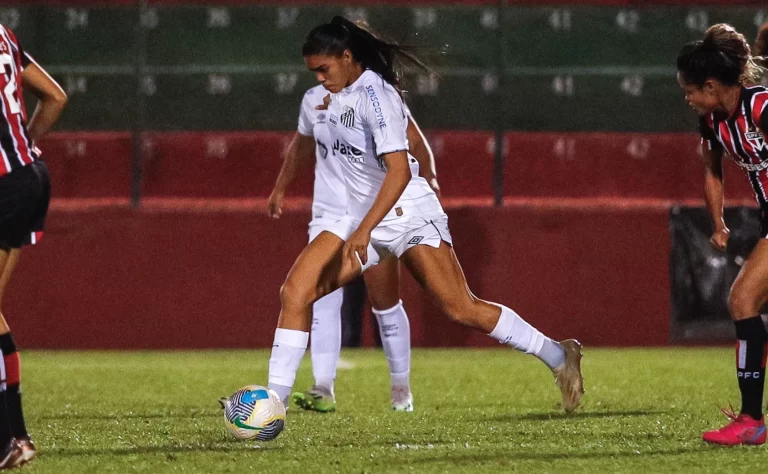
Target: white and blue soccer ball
column 254, row 412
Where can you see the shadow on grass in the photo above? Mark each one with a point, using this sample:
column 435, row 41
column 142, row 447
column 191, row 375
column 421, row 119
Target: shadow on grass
column 129, row 416
column 169, row 450
column 458, row 458
column 574, row 416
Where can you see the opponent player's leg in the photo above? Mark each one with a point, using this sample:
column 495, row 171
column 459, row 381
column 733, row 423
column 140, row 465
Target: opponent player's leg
column 12, row 361
column 10, row 451
column 383, row 284
column 748, row 294
column 318, row 270
column 439, row 272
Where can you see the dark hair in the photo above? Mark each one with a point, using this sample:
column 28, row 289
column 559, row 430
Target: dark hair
column 384, row 57
column 723, row 54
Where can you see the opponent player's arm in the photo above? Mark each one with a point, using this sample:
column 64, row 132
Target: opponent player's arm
column 420, row 149
column 713, row 192
column 52, row 99
column 395, row 181
column 298, row 152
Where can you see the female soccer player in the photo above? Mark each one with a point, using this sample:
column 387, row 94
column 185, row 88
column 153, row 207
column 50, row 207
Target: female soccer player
column 390, row 211
column 383, row 281
column 24, row 196
column 715, row 73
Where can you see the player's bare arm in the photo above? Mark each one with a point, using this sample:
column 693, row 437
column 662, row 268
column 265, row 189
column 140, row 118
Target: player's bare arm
column 420, row 149
column 52, row 100
column 713, row 194
column 297, row 154
column 395, row 182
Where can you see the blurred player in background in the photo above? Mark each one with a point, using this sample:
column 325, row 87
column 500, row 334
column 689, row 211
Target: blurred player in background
column 391, row 210
column 24, row 196
column 761, row 51
column 329, row 205
column 716, row 74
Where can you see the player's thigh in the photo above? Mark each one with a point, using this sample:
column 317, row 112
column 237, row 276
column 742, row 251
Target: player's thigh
column 7, row 265
column 438, row 271
column 383, row 283
column 751, row 285
column 318, row 270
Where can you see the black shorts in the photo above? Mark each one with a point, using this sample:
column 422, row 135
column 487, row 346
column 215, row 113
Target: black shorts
column 24, row 197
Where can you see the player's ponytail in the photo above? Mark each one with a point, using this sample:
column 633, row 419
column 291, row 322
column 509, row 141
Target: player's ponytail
column 724, row 54
column 386, row 58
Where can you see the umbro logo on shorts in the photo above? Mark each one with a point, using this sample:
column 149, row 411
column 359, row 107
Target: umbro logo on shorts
column 415, row 240
column 348, row 117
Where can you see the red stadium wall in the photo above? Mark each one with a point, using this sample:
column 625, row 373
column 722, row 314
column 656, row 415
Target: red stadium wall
column 580, row 247
column 163, row 277
column 245, row 165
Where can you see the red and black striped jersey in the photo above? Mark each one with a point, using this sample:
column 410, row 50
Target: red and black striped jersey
column 742, row 136
column 16, row 147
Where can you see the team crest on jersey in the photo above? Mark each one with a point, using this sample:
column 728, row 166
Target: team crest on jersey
column 756, row 139
column 348, row 117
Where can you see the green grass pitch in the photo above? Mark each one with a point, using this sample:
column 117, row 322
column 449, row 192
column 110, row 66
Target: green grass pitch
column 476, row 411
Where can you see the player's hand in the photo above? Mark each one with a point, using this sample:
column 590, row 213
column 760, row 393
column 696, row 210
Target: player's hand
column 719, row 239
column 325, row 104
column 275, row 205
column 357, row 243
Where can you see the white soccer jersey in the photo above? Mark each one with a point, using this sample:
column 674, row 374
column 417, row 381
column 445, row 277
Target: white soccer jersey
column 330, row 194
column 365, row 121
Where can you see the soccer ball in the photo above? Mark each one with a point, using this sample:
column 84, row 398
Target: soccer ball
column 254, row 412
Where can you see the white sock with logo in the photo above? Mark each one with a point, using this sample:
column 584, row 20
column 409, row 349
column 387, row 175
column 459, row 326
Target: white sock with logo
column 516, row 332
column 287, row 351
column 395, row 334
column 326, row 338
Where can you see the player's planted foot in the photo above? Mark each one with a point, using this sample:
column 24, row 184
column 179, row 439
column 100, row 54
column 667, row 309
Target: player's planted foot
column 315, row 399
column 743, row 429
column 12, row 455
column 568, row 376
column 28, row 448
column 402, row 399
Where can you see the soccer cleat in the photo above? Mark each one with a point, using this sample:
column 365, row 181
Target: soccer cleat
column 317, row 398
column 743, row 429
column 568, row 376
column 28, row 448
column 402, row 399
column 11, row 456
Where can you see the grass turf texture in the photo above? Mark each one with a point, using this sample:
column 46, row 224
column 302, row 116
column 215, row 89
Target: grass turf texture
column 476, row 410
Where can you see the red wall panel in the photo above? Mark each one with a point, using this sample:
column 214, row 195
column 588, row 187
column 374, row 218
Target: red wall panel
column 610, row 164
column 165, row 278
column 89, row 164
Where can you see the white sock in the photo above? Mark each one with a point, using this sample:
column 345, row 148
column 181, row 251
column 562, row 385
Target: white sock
column 396, row 339
column 326, row 338
column 287, row 350
column 514, row 331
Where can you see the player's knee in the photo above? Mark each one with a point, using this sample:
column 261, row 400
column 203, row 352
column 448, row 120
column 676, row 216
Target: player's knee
column 293, row 293
column 743, row 303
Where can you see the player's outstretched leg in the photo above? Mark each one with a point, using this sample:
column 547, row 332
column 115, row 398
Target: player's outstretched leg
column 325, row 347
column 439, row 272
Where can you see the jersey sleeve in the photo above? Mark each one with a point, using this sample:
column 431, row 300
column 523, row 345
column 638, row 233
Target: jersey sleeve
column 764, row 119
column 384, row 113
column 708, row 136
column 307, row 113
